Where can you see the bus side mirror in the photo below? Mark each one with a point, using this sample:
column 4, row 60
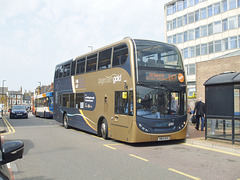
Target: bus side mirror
column 11, row 151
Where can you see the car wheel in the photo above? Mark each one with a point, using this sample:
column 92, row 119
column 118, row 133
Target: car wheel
column 65, row 121
column 104, row 129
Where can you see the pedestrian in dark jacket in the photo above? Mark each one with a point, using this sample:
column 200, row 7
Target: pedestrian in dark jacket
column 200, row 112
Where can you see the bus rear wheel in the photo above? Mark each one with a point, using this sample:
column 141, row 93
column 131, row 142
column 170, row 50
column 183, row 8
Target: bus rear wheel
column 65, row 121
column 104, row 129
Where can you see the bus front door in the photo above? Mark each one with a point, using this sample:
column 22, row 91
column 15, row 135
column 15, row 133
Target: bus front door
column 123, row 112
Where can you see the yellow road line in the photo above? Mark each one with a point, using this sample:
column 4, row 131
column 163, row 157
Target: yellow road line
column 109, row 147
column 211, row 149
column 97, row 137
column 138, row 157
column 184, row 174
column 11, row 130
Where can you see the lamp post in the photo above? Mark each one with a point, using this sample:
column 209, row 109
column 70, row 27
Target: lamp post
column 2, row 94
column 91, row 47
column 39, row 90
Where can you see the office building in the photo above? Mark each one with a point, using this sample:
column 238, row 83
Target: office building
column 202, row 30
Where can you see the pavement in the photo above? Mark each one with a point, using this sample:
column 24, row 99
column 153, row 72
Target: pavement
column 197, row 138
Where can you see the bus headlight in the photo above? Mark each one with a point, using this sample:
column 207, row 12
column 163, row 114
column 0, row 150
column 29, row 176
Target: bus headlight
column 142, row 127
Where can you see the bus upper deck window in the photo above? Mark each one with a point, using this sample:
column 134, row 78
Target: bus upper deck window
column 104, row 61
column 60, row 71
column 73, row 67
column 66, row 71
column 81, row 66
column 91, row 63
column 120, row 55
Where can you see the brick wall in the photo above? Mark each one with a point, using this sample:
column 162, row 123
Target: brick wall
column 207, row 69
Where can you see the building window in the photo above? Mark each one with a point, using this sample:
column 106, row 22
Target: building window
column 233, row 42
column 224, row 5
column 174, row 23
column 217, row 8
column 197, row 16
column 191, row 34
column 198, row 50
column 210, row 47
column 203, row 13
column 191, row 69
column 179, row 5
column 174, row 8
column 186, row 69
column 170, row 39
column 190, row 17
column 210, row 11
column 203, row 49
column 185, row 20
column 192, row 51
column 174, row 39
column 185, row 36
column 179, row 22
column 225, row 24
column 233, row 22
column 190, row 3
column 169, row 10
column 191, row 91
column 239, row 20
column 203, row 31
column 180, row 37
column 217, row 27
column 238, row 41
column 185, row 53
column 225, row 44
column 218, row 46
column 197, row 33
column 169, row 25
column 232, row 4
column 185, row 4
column 210, row 29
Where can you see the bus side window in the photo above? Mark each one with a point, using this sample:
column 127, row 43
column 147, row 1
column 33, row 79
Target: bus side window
column 91, row 63
column 124, row 102
column 81, row 66
column 120, row 55
column 73, row 67
column 79, row 101
column 104, row 61
column 65, row 100
column 57, row 73
column 60, row 71
column 66, row 71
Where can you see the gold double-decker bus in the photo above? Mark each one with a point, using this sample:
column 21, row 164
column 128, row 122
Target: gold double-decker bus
column 132, row 90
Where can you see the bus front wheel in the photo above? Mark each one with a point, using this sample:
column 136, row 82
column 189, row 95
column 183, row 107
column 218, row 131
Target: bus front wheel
column 65, row 121
column 104, row 129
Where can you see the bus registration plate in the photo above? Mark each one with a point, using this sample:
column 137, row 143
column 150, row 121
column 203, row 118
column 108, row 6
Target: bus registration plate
column 165, row 138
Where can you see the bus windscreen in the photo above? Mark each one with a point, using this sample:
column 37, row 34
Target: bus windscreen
column 157, row 54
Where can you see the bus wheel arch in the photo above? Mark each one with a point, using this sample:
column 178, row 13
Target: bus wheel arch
column 102, row 128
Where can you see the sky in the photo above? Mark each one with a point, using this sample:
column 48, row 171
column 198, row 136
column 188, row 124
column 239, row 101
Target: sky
column 36, row 35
